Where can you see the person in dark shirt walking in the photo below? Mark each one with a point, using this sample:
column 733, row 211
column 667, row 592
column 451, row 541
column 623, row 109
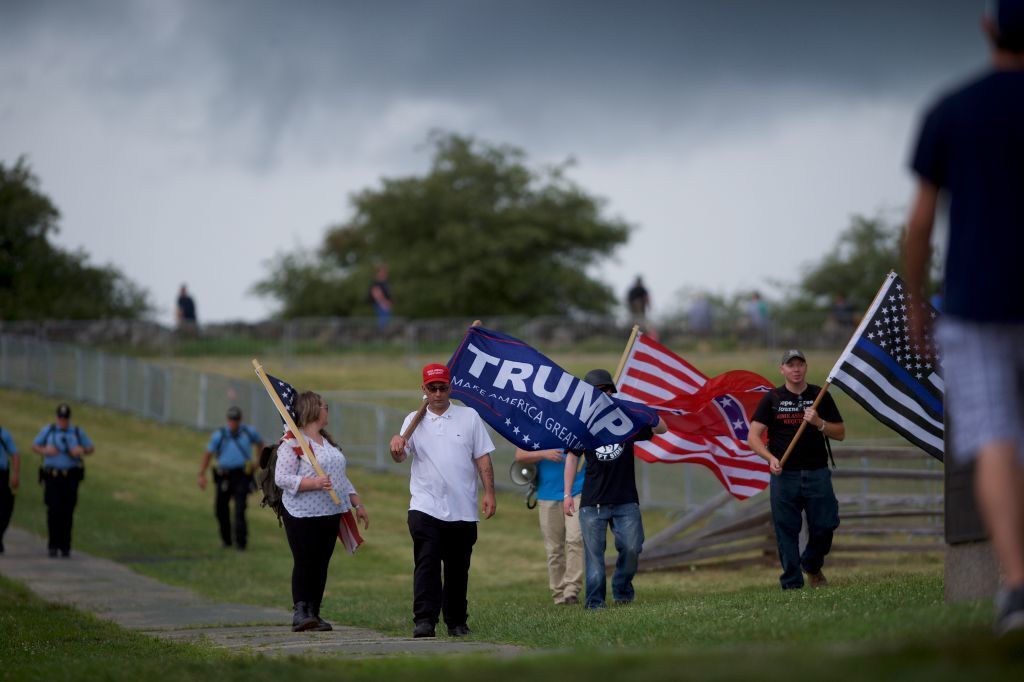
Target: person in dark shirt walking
column 805, row 484
column 609, row 499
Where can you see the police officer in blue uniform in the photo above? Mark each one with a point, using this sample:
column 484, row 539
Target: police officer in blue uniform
column 233, row 446
column 10, row 470
column 63, row 448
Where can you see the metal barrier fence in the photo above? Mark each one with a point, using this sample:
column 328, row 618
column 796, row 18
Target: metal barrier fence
column 199, row 400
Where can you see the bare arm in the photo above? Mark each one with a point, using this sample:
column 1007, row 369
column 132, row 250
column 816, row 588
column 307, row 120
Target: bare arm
column 15, row 464
column 202, row 469
column 398, row 446
column 917, row 250
column 533, row 456
column 568, row 478
column 755, row 443
column 379, row 297
column 486, row 471
column 660, row 427
column 45, row 450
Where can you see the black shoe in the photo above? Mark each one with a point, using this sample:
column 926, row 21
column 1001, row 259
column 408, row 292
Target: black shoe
column 302, row 618
column 459, row 631
column 53, row 551
column 424, row 628
column 322, row 625
column 66, row 553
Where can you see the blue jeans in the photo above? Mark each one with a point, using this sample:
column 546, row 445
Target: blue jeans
column 807, row 491
column 628, row 530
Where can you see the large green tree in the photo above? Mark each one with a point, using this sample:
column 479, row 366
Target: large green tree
column 480, row 233
column 39, row 280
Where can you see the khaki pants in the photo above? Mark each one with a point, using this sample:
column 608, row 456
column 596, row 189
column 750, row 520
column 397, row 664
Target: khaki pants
column 563, row 543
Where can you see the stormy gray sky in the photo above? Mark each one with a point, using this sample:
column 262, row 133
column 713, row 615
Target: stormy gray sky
column 191, row 140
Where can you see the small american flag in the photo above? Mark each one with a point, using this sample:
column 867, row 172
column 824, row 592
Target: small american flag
column 708, row 419
column 897, row 381
column 286, row 392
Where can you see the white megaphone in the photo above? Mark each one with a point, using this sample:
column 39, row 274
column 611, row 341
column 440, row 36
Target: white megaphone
column 525, row 474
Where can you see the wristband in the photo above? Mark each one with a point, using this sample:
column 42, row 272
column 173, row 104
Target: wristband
column 357, row 506
column 822, row 427
column 566, row 496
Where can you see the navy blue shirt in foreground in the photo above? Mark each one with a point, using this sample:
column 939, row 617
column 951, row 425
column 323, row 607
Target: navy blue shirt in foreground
column 972, row 145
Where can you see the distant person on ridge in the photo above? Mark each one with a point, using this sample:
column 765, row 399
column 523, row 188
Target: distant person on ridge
column 638, row 300
column 186, row 311
column 380, row 296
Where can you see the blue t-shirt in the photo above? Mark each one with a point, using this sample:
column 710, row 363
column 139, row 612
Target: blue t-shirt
column 551, row 480
column 6, row 447
column 65, row 440
column 972, row 145
column 233, row 450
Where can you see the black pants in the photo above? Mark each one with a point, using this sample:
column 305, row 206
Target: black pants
column 60, row 493
column 435, row 543
column 232, row 484
column 311, row 540
column 6, row 503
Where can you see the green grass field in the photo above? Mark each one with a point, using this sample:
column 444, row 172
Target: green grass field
column 140, row 505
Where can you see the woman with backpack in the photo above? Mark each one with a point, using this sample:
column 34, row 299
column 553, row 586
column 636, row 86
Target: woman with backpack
column 311, row 519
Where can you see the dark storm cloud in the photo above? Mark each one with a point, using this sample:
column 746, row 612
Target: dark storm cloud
column 583, row 65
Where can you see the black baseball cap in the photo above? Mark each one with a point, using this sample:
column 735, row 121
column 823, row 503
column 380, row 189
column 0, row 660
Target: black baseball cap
column 599, row 378
column 792, row 353
column 234, row 412
column 64, row 411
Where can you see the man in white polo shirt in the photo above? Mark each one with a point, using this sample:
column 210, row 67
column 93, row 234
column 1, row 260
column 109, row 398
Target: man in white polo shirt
column 450, row 447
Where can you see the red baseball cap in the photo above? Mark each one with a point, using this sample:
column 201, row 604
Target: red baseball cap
column 435, row 373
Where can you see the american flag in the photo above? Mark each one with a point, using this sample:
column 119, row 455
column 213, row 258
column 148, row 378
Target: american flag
column 896, row 380
column 707, row 419
column 286, row 392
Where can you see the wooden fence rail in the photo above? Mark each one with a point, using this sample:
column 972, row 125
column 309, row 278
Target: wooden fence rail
column 872, row 523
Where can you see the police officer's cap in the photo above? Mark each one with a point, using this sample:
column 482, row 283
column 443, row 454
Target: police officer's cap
column 234, row 412
column 64, row 411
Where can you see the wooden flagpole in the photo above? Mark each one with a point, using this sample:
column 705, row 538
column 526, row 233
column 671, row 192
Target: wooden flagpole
column 853, row 339
column 290, row 423
column 803, row 425
column 625, row 354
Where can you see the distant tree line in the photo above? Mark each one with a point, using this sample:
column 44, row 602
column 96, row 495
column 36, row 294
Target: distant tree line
column 480, row 233
column 38, row 280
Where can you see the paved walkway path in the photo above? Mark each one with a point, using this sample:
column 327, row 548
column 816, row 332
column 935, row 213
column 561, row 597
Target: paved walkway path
column 116, row 593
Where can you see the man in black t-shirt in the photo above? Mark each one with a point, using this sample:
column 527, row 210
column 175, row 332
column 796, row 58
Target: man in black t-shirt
column 806, row 483
column 609, row 499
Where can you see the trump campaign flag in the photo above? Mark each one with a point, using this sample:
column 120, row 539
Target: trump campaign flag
column 534, row 403
column 897, row 381
column 708, row 419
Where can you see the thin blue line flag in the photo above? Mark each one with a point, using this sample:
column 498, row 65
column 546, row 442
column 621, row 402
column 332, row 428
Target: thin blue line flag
column 534, row 403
